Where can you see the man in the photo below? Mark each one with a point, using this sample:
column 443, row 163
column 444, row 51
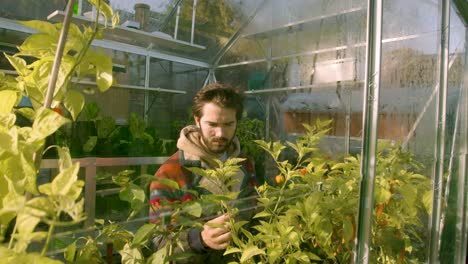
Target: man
column 216, row 108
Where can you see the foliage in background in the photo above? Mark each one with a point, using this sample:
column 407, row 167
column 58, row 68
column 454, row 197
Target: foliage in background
column 249, row 130
column 310, row 216
column 35, row 211
column 213, row 18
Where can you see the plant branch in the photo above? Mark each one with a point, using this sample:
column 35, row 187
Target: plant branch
column 10, row 244
column 49, row 237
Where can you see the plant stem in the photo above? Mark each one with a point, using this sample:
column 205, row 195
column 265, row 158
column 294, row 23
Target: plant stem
column 10, row 244
column 49, row 238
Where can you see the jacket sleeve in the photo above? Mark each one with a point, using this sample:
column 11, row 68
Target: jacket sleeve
column 160, row 211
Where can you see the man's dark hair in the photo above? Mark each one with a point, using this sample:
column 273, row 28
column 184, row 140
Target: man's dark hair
column 223, row 95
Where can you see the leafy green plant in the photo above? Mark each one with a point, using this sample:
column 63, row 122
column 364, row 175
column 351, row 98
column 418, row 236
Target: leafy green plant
column 137, row 128
column 249, row 130
column 91, row 111
column 309, row 216
column 34, row 212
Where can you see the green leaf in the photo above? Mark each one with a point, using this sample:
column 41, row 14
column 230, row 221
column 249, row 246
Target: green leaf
column 70, row 252
column 232, row 251
column 21, row 168
column 63, row 182
column 115, row 20
column 40, row 207
column 131, row 255
column 170, row 183
column 262, row 214
column 133, row 194
column 159, row 257
column 103, row 65
column 347, row 229
column 90, row 144
column 46, row 123
column 9, row 99
column 427, row 201
column 194, row 209
column 382, row 195
column 65, row 160
column 103, row 8
column 121, row 179
column 7, row 120
column 74, row 103
column 19, row 64
column 27, row 112
column 233, row 161
column 39, row 46
column 27, row 258
column 26, row 223
column 250, row 252
column 199, row 171
column 41, row 26
column 277, row 148
column 8, row 141
column 142, row 235
column 312, row 256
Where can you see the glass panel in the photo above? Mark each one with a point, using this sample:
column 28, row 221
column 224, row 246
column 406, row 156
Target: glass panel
column 300, row 65
column 406, row 120
column 28, row 10
column 453, row 242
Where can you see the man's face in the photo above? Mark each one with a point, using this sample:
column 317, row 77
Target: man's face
column 218, row 126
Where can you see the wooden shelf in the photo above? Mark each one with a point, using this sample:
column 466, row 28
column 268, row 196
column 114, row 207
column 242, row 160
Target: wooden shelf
column 131, row 35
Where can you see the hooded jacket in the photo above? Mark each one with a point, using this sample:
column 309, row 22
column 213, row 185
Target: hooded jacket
column 193, row 153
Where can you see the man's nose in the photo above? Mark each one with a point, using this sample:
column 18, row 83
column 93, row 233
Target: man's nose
column 219, row 132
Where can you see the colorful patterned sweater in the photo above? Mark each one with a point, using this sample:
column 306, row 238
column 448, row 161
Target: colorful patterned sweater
column 191, row 155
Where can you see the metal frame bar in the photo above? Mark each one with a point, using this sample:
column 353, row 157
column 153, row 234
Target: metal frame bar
column 235, row 36
column 194, row 11
column 147, row 80
column 370, row 129
column 311, row 53
column 176, row 27
column 300, row 23
column 463, row 164
column 114, row 45
column 438, row 166
column 304, row 87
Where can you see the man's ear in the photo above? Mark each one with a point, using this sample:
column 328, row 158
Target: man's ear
column 197, row 121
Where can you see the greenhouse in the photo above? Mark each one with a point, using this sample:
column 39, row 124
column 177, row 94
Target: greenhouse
column 350, row 136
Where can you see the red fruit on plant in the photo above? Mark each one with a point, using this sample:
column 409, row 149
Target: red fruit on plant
column 58, row 110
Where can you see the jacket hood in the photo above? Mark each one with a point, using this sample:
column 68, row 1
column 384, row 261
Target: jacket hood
column 190, row 141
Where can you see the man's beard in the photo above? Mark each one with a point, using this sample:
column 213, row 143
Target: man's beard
column 213, row 147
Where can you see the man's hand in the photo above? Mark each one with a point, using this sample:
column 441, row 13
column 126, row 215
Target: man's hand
column 216, row 233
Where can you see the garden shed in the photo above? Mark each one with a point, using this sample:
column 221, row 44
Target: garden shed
column 391, row 76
